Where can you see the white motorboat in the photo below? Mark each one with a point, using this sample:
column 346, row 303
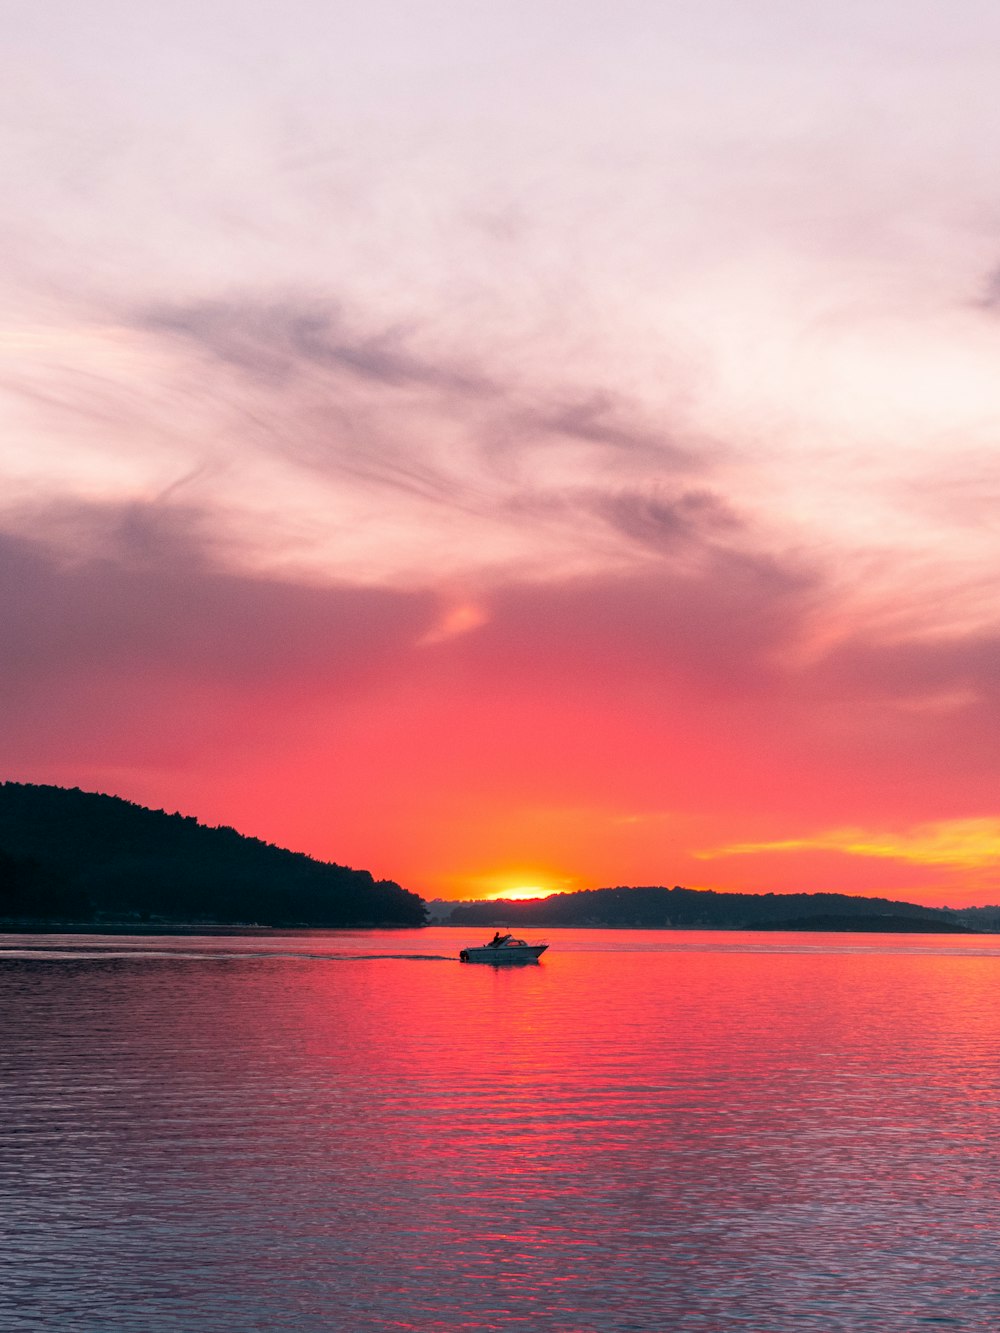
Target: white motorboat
column 503, row 949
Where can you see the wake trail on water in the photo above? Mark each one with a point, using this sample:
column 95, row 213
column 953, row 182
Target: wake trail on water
column 67, row 953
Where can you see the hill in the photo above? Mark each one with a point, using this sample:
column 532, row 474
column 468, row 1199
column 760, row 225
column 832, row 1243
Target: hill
column 71, row 855
column 687, row 909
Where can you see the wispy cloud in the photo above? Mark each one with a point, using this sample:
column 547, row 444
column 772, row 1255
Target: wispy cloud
column 275, row 340
column 966, row 843
column 988, row 297
column 603, row 418
column 661, row 522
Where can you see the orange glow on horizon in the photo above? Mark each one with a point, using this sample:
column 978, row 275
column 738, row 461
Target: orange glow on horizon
column 523, row 894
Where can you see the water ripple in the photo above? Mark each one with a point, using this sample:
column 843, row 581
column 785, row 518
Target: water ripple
column 639, row 1134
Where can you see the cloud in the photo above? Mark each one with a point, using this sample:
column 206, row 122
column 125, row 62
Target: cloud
column 142, row 593
column 160, row 574
column 966, row 843
column 274, row 340
column 603, row 418
column 662, row 523
column 718, row 622
column 315, row 414
column 294, row 344
column 989, row 294
column 132, row 636
column 937, row 672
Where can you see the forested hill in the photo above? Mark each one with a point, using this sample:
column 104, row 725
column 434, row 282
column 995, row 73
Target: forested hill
column 682, row 909
column 70, row 855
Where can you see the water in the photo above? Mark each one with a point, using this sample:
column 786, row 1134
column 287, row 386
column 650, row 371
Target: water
column 647, row 1131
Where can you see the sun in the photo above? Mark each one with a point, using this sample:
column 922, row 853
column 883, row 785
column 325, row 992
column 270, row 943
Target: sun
column 522, row 892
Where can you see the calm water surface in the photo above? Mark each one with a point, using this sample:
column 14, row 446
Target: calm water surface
column 646, row 1131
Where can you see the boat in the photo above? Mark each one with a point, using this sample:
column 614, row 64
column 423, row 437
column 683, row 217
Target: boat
column 503, row 949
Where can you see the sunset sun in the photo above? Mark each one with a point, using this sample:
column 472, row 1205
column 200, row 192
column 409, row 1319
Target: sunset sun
column 523, row 892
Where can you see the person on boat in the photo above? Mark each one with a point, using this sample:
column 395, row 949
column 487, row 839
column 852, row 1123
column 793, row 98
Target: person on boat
column 497, row 940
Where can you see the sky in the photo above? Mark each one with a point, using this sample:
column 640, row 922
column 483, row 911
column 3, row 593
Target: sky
column 507, row 446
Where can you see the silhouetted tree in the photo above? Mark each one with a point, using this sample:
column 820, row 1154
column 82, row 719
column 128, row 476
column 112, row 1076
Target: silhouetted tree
column 83, row 856
column 656, row 906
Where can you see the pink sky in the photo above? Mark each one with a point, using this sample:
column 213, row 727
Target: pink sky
column 511, row 445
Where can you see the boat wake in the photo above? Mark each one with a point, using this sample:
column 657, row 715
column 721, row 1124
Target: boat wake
column 66, row 953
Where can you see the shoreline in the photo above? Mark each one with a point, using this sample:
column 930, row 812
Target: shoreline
column 112, row 928
column 177, row 928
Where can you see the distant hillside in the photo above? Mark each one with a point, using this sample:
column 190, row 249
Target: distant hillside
column 980, row 918
column 76, row 856
column 688, row 909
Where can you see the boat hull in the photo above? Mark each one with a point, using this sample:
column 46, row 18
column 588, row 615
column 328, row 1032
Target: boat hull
column 520, row 953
